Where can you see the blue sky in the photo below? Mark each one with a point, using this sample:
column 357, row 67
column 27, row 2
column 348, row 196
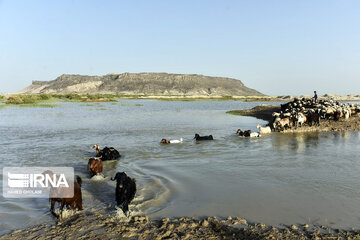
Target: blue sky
column 277, row 47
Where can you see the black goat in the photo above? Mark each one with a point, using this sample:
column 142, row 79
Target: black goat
column 200, row 138
column 125, row 190
column 106, row 153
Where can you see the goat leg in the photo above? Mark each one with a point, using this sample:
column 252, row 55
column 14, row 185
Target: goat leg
column 52, row 208
column 61, row 208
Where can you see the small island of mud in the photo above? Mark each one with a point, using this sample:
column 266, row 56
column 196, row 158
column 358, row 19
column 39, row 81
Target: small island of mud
column 330, row 115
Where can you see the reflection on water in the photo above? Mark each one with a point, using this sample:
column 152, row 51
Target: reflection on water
column 276, row 179
column 297, row 142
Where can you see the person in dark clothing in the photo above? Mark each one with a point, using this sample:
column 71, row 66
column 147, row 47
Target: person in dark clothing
column 315, row 96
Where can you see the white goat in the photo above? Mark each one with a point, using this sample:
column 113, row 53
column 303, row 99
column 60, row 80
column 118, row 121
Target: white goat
column 263, row 130
column 300, row 119
column 255, row 134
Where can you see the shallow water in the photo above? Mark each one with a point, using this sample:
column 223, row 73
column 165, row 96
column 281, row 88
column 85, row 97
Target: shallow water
column 276, row 179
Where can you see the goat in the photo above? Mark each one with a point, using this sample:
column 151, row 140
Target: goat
column 330, row 113
column 248, row 133
column 300, row 119
column 263, row 130
column 282, row 124
column 75, row 202
column 347, row 113
column 106, row 153
column 200, row 138
column 94, row 167
column 337, row 115
column 313, row 117
column 241, row 133
column 125, row 190
column 255, row 134
column 165, row 141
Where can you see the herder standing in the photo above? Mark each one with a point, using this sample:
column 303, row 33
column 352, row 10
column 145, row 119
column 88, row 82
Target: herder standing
column 315, row 96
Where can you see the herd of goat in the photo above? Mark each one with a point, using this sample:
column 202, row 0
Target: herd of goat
column 293, row 114
column 307, row 111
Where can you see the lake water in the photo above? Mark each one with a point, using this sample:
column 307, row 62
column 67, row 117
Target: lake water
column 276, row 179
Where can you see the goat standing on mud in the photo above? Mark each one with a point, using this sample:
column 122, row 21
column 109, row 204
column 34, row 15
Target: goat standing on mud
column 282, row 124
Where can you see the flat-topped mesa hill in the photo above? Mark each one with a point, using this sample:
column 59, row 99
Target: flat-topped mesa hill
column 143, row 84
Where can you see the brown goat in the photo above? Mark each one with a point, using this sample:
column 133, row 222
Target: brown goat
column 165, row 141
column 94, row 167
column 75, row 202
column 283, row 124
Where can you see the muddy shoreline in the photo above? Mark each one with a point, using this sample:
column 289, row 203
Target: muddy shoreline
column 93, row 225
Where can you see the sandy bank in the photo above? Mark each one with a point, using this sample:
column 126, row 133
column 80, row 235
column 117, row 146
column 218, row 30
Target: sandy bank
column 91, row 225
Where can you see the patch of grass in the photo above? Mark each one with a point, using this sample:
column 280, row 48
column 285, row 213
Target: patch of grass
column 45, row 96
column 131, row 105
column 22, row 99
column 183, row 99
column 67, row 97
column 90, row 105
column 28, row 98
column 122, row 96
column 227, row 97
column 39, row 105
column 86, row 98
column 3, row 106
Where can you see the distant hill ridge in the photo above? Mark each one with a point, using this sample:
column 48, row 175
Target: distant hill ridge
column 143, row 84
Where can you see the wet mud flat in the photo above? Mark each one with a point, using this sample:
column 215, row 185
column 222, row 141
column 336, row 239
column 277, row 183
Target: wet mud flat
column 92, row 225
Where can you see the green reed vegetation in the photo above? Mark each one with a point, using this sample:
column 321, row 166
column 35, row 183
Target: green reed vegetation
column 86, row 98
column 27, row 99
column 41, row 105
column 46, row 98
column 131, row 105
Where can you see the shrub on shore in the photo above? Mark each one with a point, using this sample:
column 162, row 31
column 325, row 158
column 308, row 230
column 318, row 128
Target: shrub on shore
column 45, row 96
column 14, row 99
column 26, row 99
column 85, row 98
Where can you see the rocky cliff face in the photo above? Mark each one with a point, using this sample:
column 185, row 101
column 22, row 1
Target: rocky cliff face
column 143, row 83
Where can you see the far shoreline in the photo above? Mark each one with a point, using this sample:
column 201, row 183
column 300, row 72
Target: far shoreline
column 105, row 97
